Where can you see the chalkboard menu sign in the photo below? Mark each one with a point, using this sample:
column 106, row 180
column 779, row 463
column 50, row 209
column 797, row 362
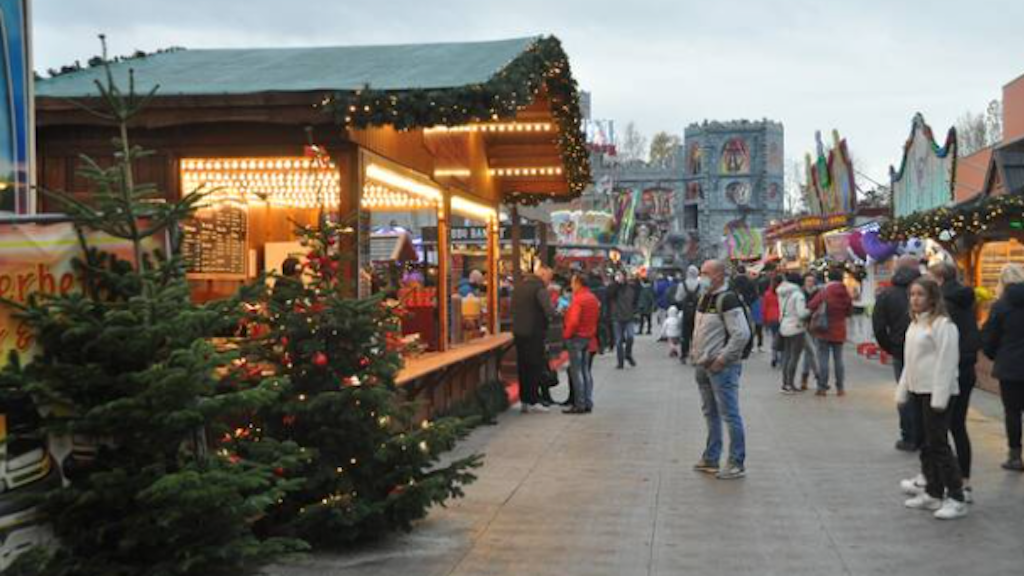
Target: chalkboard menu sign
column 214, row 241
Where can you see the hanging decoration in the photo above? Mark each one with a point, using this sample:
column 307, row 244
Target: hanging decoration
column 542, row 66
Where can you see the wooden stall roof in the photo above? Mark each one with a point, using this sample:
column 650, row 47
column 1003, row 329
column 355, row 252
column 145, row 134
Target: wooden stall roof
column 405, row 87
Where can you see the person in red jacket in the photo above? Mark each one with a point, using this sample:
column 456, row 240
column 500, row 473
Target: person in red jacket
column 838, row 305
column 580, row 334
column 770, row 311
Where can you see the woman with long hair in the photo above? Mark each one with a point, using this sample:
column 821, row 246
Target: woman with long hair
column 1003, row 342
column 929, row 380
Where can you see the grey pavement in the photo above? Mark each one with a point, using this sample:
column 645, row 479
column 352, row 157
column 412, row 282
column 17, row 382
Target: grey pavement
column 612, row 493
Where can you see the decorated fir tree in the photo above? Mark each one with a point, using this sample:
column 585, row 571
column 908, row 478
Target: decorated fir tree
column 375, row 470
column 125, row 369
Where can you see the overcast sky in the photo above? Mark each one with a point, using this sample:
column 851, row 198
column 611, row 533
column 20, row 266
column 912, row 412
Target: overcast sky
column 861, row 66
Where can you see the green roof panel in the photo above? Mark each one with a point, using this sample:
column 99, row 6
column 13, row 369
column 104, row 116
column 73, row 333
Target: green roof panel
column 249, row 71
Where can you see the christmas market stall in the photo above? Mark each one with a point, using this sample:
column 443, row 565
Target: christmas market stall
column 831, row 200
column 983, row 233
column 406, row 146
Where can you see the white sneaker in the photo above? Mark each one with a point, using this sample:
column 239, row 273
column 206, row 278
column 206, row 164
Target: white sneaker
column 913, row 486
column 951, row 510
column 923, row 502
column 524, row 408
column 539, row 408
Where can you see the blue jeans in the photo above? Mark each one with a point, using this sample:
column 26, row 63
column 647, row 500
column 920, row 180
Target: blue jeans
column 625, row 331
column 582, row 379
column 720, row 400
column 836, row 350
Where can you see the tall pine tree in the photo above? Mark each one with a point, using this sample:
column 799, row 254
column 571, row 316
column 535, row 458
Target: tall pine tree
column 125, row 368
column 376, row 470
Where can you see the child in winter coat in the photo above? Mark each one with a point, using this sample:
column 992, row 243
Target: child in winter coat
column 932, row 355
column 673, row 331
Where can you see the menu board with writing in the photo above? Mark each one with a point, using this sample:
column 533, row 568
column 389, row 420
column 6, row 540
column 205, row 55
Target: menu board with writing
column 214, row 241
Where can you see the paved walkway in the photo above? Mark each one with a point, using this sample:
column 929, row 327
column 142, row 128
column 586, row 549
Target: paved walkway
column 612, row 493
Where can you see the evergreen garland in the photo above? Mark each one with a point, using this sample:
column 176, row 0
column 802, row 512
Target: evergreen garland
column 543, row 64
column 951, row 222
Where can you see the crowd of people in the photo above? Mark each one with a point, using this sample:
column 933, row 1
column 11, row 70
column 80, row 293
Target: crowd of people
column 714, row 317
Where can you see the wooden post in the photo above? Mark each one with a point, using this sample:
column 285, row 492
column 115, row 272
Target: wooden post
column 443, row 262
column 493, row 254
column 348, row 212
column 517, row 271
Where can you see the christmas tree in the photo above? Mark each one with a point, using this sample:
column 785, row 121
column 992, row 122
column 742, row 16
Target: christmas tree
column 376, row 470
column 125, row 369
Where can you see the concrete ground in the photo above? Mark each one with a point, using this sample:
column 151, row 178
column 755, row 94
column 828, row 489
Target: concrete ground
column 612, row 493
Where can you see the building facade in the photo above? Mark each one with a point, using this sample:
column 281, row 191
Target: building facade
column 733, row 185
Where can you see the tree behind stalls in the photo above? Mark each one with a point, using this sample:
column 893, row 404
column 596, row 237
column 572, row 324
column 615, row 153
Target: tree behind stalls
column 375, row 470
column 977, row 131
column 124, row 368
column 633, row 146
column 664, row 149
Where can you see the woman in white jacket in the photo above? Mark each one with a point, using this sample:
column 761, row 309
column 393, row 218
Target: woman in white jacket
column 931, row 360
column 793, row 316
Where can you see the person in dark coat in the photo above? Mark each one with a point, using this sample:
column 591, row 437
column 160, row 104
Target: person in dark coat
column 623, row 297
column 961, row 308
column 1003, row 342
column 890, row 321
column 531, row 312
column 645, row 305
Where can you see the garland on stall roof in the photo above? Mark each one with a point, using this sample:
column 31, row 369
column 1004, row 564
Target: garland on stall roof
column 543, row 65
column 949, row 222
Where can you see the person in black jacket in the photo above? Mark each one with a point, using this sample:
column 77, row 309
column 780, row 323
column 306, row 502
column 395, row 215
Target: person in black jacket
column 1003, row 342
column 961, row 308
column 623, row 297
column 531, row 312
column 890, row 321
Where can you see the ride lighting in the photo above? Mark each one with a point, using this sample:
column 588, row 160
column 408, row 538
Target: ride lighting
column 526, row 172
column 472, row 209
column 492, row 127
column 289, row 182
column 396, row 181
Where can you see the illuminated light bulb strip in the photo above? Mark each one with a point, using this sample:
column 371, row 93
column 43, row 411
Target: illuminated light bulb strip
column 402, row 183
column 526, row 172
column 472, row 209
column 452, row 173
column 376, row 197
column 285, row 182
column 495, row 127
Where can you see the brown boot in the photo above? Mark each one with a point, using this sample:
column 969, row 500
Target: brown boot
column 803, row 381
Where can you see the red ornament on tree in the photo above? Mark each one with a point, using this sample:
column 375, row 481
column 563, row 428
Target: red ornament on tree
column 320, row 359
column 279, row 471
column 284, row 340
column 364, row 362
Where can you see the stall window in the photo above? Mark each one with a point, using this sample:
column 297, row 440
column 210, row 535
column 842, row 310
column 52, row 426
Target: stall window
column 995, row 255
column 472, row 260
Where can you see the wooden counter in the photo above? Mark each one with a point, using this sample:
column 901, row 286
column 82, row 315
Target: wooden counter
column 416, row 368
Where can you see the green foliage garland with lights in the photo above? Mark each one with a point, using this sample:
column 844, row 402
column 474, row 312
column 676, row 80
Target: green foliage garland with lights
column 951, row 222
column 126, row 372
column 543, row 64
column 372, row 469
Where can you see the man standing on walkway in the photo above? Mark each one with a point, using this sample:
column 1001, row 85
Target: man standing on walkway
column 645, row 307
column 580, row 334
column 890, row 321
column 623, row 298
column 720, row 336
column 531, row 310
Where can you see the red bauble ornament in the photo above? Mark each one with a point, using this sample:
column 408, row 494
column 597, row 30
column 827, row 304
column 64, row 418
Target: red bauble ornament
column 279, row 471
column 320, row 359
column 288, row 420
column 284, row 340
column 397, row 490
column 364, row 362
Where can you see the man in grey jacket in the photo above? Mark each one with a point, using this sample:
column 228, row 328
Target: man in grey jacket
column 623, row 297
column 719, row 338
